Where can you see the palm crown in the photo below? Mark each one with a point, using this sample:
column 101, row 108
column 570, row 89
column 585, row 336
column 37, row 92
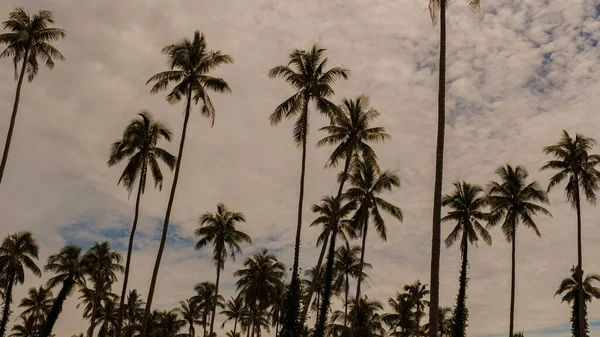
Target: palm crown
column 17, row 253
column 37, row 303
column 326, row 210
column 261, row 278
column 66, row 264
column 102, row 263
column 568, row 287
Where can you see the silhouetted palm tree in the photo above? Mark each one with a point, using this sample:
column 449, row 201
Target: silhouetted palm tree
column 569, row 287
column 28, row 327
column 513, row 202
column 306, row 72
column 17, row 254
column 37, row 303
column 368, row 324
column 346, row 265
column 67, row 264
column 190, row 62
column 207, row 299
column 134, row 312
column 402, row 319
column 416, row 293
column 437, row 9
column 444, row 322
column 28, row 41
column 108, row 315
column 139, row 144
column 92, row 298
column 220, row 229
column 190, row 312
column 234, row 311
column 467, row 204
column 574, row 163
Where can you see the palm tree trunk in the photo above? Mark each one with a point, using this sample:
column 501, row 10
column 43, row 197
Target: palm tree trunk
column 360, row 272
column 94, row 312
column 13, row 118
column 214, row 311
column 204, row 318
column 163, row 238
column 191, row 330
column 314, row 280
column 512, row 282
column 347, row 290
column 579, row 260
column 7, row 301
column 434, row 299
column 57, row 307
column 129, row 250
column 234, row 326
column 460, row 318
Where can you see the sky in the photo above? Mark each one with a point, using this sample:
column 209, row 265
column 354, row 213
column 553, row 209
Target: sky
column 519, row 71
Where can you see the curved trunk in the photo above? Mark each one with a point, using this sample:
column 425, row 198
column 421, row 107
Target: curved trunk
column 434, row 299
column 214, row 311
column 13, row 116
column 512, row 283
column 460, row 312
column 7, row 301
column 57, row 307
column 163, row 238
column 129, row 251
column 360, row 272
column 579, row 259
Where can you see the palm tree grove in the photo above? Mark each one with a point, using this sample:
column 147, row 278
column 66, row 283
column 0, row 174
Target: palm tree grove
column 440, row 179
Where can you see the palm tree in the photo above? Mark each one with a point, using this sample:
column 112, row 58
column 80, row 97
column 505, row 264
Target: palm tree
column 444, row 322
column 467, row 204
column 17, row 253
column 28, row 40
column 401, row 317
column 306, row 73
column 134, row 311
column 570, row 288
column 190, row 63
column 220, row 229
column 108, row 315
column 92, row 298
column 207, row 299
column 519, row 334
column 307, row 284
column 367, row 184
column 346, row 265
column 101, row 263
column 169, row 324
column 28, row 327
column 190, row 312
column 37, row 304
column 572, row 161
column 416, row 292
column 437, row 8
column 513, row 202
column 369, row 323
column 139, row 144
column 234, row 311
column 68, row 266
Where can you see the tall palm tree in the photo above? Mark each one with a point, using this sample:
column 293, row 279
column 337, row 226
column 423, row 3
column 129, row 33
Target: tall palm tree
column 306, row 72
column 28, row 41
column 190, row 312
column 37, row 303
column 513, row 201
column 68, row 266
column 569, row 288
column 416, row 294
column 190, row 62
column 220, row 229
column 367, row 184
column 437, row 10
column 351, row 131
column 369, row 323
column 139, row 144
column 573, row 162
column 467, row 203
column 234, row 311
column 134, row 311
column 101, row 263
column 17, row 254
column 346, row 265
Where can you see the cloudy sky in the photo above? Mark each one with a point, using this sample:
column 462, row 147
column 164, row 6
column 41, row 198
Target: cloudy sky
column 519, row 71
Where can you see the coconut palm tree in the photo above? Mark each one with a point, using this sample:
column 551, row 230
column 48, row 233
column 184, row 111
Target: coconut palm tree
column 444, row 322
column 402, row 319
column 134, row 311
column 139, row 145
column 68, row 266
column 37, row 304
column 569, row 289
column 234, row 311
column 190, row 62
column 190, row 312
column 306, row 72
column 513, row 201
column 573, row 161
column 168, row 324
column 101, row 264
column 367, row 184
column 416, row 294
column 92, row 298
column 437, row 10
column 220, row 229
column 28, row 327
column 369, row 323
column 310, row 276
column 347, row 265
column 108, row 315
column 466, row 203
column 27, row 41
column 17, row 254
column 207, row 299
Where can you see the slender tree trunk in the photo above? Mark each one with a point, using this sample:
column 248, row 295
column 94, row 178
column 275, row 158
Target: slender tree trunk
column 129, row 251
column 512, row 282
column 204, row 319
column 360, row 272
column 347, row 290
column 214, row 311
column 163, row 238
column 7, row 302
column 191, row 330
column 97, row 291
column 57, row 307
column 434, row 300
column 460, row 318
column 316, row 278
column 13, row 117
column 579, row 259
column 234, row 326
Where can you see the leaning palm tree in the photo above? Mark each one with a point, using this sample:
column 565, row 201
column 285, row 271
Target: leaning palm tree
column 573, row 162
column 437, row 10
column 17, row 254
column 306, row 72
column 139, row 144
column 67, row 264
column 569, row 288
column 28, row 41
column 467, row 204
column 37, row 303
column 513, row 201
column 367, row 184
column 190, row 62
column 206, row 299
column 190, row 312
column 220, row 229
column 234, row 311
column 347, row 265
